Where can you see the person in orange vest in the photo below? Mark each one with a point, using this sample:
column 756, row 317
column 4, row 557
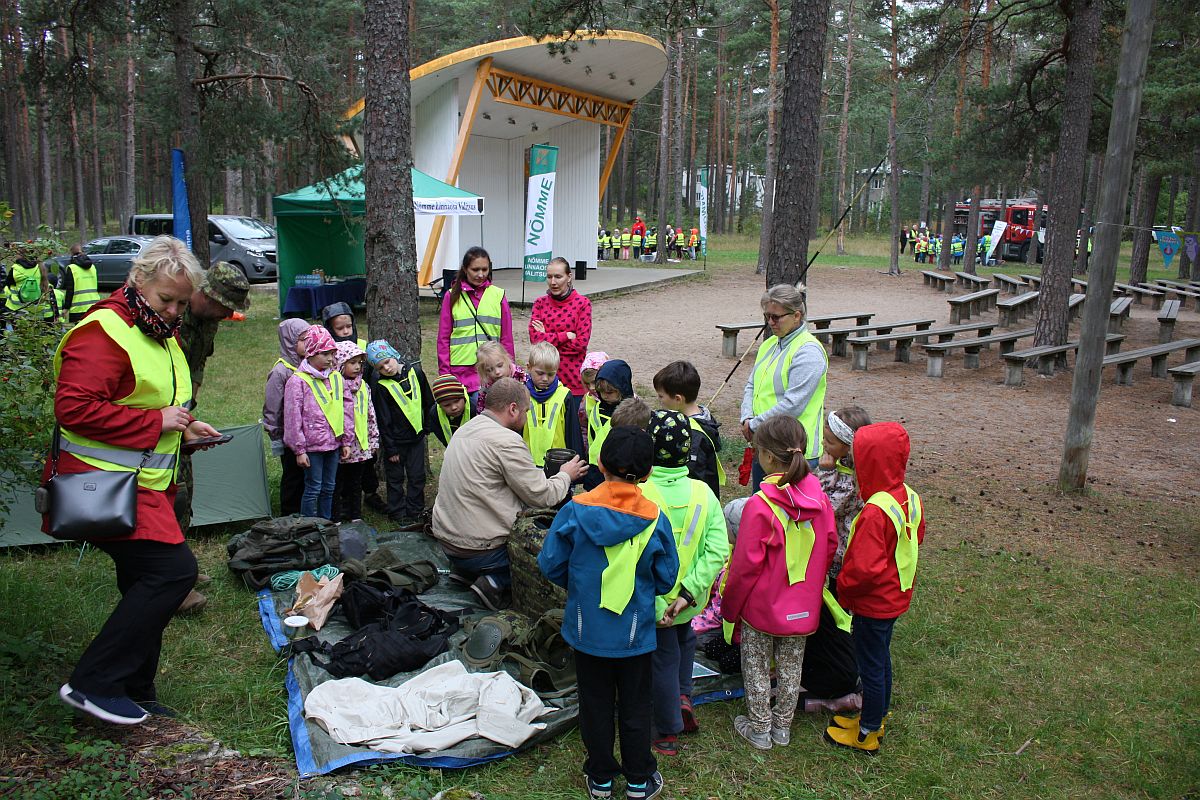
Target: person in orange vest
column 693, row 240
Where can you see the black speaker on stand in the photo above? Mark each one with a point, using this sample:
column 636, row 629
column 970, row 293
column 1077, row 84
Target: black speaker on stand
column 581, row 270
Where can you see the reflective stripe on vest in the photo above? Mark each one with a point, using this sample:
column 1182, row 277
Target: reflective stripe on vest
column 598, row 427
column 687, row 543
column 362, row 419
column 472, row 328
column 84, row 293
column 696, row 426
column 626, row 240
column 771, row 367
column 329, row 399
column 444, row 420
column 409, row 402
column 906, row 531
column 617, row 579
column 798, row 540
column 161, row 378
column 546, row 429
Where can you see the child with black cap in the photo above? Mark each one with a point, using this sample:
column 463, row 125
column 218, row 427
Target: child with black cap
column 614, row 552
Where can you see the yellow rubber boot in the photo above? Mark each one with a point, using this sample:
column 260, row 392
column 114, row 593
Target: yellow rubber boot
column 851, row 723
column 852, row 739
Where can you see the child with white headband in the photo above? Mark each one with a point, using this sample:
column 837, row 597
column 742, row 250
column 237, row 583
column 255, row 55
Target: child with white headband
column 836, row 473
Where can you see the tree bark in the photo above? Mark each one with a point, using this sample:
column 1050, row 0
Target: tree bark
column 664, row 157
column 839, row 190
column 972, row 238
column 894, row 169
column 390, row 235
column 127, row 201
column 1089, row 216
column 768, row 200
column 1122, row 132
column 798, row 142
column 677, row 116
column 1066, row 188
column 733, row 168
column 1192, row 224
column 80, row 188
column 1148, row 204
column 191, row 138
column 1035, row 219
column 947, row 228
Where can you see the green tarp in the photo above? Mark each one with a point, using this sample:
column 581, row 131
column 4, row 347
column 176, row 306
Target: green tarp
column 230, row 481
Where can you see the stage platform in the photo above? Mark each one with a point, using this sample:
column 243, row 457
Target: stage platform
column 601, row 282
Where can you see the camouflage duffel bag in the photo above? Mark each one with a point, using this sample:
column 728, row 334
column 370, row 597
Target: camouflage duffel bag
column 532, row 593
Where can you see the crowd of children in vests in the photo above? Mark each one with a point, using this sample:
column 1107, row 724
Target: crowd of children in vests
column 630, row 243
column 927, row 248
column 818, row 559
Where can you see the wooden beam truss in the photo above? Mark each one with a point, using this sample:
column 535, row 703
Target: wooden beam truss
column 515, row 89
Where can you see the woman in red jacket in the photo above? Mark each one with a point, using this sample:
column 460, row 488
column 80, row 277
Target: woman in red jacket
column 123, row 388
column 563, row 317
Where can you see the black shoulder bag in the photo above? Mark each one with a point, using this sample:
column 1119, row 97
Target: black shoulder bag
column 98, row 504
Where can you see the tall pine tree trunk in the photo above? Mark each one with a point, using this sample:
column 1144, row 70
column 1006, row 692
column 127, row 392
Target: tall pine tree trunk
column 893, row 153
column 839, row 190
column 1192, row 220
column 390, row 235
column 664, row 157
column 768, row 200
column 127, row 201
column 1148, row 205
column 972, row 238
column 677, row 115
column 796, row 177
column 191, row 141
column 1089, row 215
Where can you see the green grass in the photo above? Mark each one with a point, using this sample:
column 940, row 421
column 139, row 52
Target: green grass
column 1086, row 664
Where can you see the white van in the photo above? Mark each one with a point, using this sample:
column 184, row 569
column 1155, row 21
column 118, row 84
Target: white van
column 245, row 242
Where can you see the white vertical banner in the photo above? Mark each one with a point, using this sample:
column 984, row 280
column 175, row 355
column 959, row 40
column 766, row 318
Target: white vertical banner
column 702, row 209
column 998, row 229
column 539, row 211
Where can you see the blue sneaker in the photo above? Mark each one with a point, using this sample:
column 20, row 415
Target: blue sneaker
column 597, row 790
column 117, row 710
column 647, row 790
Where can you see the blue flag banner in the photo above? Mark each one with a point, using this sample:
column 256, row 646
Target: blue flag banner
column 179, row 199
column 1168, row 243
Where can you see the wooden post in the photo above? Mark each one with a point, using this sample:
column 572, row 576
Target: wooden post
column 1118, row 160
column 460, row 150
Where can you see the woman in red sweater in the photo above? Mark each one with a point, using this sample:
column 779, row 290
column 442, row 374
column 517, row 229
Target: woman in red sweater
column 109, row 411
column 563, row 317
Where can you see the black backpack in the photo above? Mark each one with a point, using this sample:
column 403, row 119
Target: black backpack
column 282, row 545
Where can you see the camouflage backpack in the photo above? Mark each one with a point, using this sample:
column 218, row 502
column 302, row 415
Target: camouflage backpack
column 281, row 545
column 533, row 594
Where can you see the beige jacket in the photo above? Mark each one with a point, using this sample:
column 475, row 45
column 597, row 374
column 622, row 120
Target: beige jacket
column 487, row 475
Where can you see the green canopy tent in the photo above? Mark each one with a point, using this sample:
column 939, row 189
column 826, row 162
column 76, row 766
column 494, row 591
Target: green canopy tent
column 321, row 226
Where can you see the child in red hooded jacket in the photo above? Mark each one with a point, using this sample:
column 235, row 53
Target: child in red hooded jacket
column 878, row 573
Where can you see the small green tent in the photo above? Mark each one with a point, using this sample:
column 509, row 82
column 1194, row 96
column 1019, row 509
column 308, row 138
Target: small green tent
column 321, row 226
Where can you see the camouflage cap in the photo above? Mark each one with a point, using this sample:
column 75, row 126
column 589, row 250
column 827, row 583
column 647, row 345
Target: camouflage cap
column 226, row 284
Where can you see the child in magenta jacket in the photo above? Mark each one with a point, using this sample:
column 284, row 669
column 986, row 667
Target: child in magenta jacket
column 784, row 548
column 314, row 421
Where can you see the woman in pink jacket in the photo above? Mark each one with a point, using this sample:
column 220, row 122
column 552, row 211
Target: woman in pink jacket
column 563, row 317
column 785, row 546
column 473, row 280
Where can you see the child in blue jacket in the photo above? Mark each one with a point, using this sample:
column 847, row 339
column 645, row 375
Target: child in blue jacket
column 614, row 552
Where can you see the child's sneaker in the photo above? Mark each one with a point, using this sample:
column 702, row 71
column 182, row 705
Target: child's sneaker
column 781, row 737
column 645, row 791
column 117, row 710
column 690, row 723
column 666, row 745
column 742, row 725
column 597, row 790
column 854, row 739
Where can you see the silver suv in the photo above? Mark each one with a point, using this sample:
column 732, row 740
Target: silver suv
column 245, row 242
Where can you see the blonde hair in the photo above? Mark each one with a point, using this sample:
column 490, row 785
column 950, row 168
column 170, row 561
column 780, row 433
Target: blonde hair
column 544, row 355
column 793, row 298
column 166, row 256
column 488, row 353
column 632, row 412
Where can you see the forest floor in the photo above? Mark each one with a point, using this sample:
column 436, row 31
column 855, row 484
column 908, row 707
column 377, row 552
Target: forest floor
column 1052, row 648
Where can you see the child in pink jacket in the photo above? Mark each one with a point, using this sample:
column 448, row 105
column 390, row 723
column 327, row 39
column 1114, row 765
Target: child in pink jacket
column 785, row 545
column 314, row 421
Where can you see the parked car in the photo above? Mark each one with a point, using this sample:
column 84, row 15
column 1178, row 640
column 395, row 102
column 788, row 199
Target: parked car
column 245, row 242
column 112, row 255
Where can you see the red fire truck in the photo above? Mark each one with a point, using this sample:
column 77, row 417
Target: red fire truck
column 1019, row 233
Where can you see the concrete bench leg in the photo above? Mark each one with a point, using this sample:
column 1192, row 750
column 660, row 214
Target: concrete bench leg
column 971, row 357
column 1114, row 324
column 1015, row 375
column 1008, row 318
column 1158, row 303
column 859, row 359
column 1046, row 365
column 955, row 315
column 1158, row 366
column 839, row 345
column 729, row 344
column 1125, row 373
column 1191, row 354
column 902, row 350
column 1112, row 348
column 933, row 367
column 1138, row 299
column 1183, row 391
column 883, row 345
column 1166, row 331
column 1007, row 347
column 863, row 320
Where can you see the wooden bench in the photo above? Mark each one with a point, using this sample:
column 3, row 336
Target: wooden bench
column 1075, row 305
column 938, row 280
column 729, row 336
column 936, row 353
column 1166, row 321
column 1118, row 312
column 823, row 321
column 1139, row 294
column 1046, row 357
column 1157, row 354
column 904, row 340
column 1183, row 375
column 1183, row 294
column 1034, row 281
column 965, row 306
column 1008, row 283
column 1012, row 309
column 837, row 347
column 1081, row 285
column 969, row 281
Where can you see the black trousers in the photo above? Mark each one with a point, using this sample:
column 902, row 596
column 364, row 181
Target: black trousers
column 291, row 485
column 123, row 658
column 370, row 478
column 622, row 684
column 406, row 481
column 348, row 492
column 830, row 669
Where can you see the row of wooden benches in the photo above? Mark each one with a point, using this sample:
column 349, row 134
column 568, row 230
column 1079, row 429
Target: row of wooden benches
column 1156, row 292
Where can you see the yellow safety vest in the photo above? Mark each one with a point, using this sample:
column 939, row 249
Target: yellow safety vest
column 652, row 240
column 444, row 421
column 161, row 379
column 598, row 428
column 19, row 275
column 287, row 364
column 410, row 402
column 362, row 418
column 696, row 426
column 701, row 503
column 626, row 240
column 771, row 367
column 618, row 578
column 85, row 292
column 329, row 399
column 474, row 325
column 906, row 531
column 545, row 427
